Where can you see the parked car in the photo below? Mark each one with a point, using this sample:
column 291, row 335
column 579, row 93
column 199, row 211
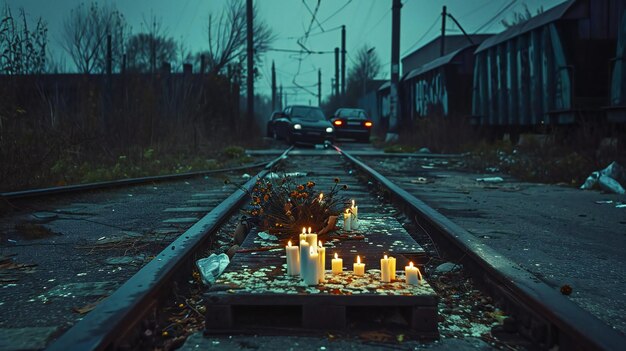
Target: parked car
column 301, row 124
column 352, row 123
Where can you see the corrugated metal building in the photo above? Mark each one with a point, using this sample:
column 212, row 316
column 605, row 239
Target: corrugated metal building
column 553, row 68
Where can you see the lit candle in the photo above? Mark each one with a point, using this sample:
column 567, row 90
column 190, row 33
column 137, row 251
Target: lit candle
column 293, row 259
column 354, row 208
column 359, row 268
column 392, row 268
column 311, row 238
column 321, row 250
column 321, row 198
column 384, row 270
column 304, row 253
column 303, row 235
column 311, row 275
column 347, row 221
column 413, row 275
column 355, row 216
column 337, row 264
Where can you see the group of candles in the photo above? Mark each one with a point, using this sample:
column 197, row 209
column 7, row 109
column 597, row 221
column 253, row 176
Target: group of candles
column 351, row 218
column 309, row 261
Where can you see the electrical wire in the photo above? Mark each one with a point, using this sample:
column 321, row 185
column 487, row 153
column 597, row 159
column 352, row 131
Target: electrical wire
column 412, row 47
column 336, row 12
column 495, row 17
column 313, row 14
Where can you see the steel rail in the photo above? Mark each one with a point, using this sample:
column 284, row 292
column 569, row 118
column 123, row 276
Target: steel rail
column 119, row 183
column 121, row 312
column 576, row 328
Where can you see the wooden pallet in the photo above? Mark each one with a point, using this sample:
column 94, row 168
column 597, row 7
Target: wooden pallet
column 255, row 291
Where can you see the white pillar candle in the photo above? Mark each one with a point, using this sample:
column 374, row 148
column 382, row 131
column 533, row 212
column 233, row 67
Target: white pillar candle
column 303, row 235
column 321, row 251
column 384, row 269
column 311, row 238
column 311, row 275
column 359, row 268
column 412, row 274
column 304, row 253
column 354, row 225
column 354, row 208
column 293, row 259
column 347, row 221
column 392, row 268
column 337, row 264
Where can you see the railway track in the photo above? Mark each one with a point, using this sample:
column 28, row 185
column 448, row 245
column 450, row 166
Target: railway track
column 547, row 319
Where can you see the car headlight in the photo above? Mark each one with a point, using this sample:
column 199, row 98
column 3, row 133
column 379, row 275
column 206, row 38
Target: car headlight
column 329, row 130
column 297, row 126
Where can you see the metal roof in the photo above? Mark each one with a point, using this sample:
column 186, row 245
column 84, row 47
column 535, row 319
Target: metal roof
column 443, row 60
column 540, row 20
column 385, row 85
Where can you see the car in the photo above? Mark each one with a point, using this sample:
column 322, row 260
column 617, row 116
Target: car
column 301, row 124
column 352, row 123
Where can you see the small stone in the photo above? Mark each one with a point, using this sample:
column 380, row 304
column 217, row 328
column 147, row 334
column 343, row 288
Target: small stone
column 448, row 267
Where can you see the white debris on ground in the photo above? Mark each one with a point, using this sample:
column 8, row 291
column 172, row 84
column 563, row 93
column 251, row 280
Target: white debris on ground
column 609, row 179
column 275, row 280
column 211, row 267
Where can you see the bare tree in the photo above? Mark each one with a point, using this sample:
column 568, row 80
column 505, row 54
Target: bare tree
column 366, row 68
column 520, row 17
column 84, row 36
column 22, row 50
column 145, row 51
column 227, row 36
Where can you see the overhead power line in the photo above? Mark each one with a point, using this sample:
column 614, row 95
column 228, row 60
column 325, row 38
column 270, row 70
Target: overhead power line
column 418, row 41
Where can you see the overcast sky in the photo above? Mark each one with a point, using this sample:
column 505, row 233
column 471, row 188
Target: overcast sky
column 368, row 23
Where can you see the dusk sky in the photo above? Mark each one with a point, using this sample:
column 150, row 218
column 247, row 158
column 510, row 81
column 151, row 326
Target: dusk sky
column 368, row 23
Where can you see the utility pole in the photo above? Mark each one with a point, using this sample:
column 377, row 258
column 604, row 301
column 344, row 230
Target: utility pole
column 273, row 87
column 343, row 63
column 392, row 131
column 337, row 72
column 319, row 87
column 280, row 103
column 250, row 51
column 444, row 14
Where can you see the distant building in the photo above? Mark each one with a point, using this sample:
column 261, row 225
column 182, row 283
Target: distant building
column 431, row 51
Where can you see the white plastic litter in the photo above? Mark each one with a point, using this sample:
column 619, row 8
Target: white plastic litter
column 490, row 179
column 266, row 236
column 611, row 185
column 211, row 267
column 608, row 179
column 274, row 175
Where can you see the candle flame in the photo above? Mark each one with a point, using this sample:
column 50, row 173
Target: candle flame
column 303, row 230
column 411, row 264
column 309, row 230
column 289, row 243
column 320, row 243
column 352, row 203
column 336, row 256
column 385, row 256
column 321, row 196
column 358, row 259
